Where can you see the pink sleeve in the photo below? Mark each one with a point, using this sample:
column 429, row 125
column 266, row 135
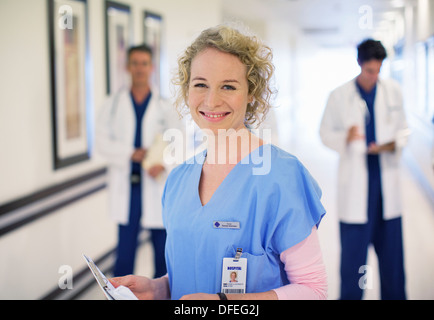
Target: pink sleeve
column 305, row 270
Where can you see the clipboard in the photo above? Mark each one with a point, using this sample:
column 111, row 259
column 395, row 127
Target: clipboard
column 155, row 153
column 110, row 292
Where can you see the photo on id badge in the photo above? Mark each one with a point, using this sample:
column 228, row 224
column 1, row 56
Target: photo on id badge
column 234, row 275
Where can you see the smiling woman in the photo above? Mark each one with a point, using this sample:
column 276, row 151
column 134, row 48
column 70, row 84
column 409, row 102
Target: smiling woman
column 223, row 215
column 254, row 56
column 218, row 94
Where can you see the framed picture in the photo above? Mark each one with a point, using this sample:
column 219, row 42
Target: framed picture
column 118, row 34
column 69, row 58
column 152, row 34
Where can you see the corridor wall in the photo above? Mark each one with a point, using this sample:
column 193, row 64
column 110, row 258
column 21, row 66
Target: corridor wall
column 48, row 216
column 418, row 66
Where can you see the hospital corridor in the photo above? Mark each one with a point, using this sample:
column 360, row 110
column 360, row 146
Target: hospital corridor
column 65, row 69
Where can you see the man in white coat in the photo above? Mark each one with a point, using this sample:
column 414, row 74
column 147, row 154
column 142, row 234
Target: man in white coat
column 364, row 122
column 130, row 122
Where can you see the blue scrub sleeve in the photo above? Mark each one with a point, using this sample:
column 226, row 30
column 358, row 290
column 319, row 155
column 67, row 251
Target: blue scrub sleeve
column 300, row 209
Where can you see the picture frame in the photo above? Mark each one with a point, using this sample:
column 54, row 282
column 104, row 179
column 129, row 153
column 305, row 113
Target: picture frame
column 69, row 60
column 152, row 36
column 118, row 36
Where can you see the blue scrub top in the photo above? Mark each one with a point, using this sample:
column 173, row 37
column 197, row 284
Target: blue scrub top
column 375, row 202
column 139, row 110
column 276, row 211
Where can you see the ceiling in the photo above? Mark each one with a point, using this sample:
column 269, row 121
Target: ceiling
column 329, row 23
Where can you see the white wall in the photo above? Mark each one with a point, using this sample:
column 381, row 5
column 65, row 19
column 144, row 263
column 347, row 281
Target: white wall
column 419, row 21
column 30, row 256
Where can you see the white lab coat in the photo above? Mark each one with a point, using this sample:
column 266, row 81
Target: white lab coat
column 346, row 108
column 114, row 140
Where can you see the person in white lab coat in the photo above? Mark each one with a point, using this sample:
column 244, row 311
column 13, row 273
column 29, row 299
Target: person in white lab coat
column 364, row 122
column 130, row 122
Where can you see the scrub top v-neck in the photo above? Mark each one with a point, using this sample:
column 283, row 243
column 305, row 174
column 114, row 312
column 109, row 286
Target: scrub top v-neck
column 266, row 215
column 221, row 189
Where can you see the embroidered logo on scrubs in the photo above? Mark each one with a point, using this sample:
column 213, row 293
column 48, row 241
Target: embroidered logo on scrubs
column 226, row 225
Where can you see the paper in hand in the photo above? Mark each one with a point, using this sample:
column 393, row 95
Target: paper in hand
column 111, row 293
column 155, row 153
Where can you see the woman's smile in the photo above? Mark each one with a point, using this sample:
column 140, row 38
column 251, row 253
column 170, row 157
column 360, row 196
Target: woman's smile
column 214, row 116
column 218, row 94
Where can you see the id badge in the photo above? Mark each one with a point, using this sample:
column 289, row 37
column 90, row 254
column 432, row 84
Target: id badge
column 234, row 275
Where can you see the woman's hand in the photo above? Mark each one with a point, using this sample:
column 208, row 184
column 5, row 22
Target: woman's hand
column 268, row 295
column 200, row 296
column 142, row 287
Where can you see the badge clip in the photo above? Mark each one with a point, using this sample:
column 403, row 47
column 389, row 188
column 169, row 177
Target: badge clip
column 238, row 254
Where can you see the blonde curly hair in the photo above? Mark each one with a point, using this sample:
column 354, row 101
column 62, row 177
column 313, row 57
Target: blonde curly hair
column 251, row 52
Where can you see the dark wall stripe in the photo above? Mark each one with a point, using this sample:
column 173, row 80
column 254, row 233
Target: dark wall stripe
column 26, row 201
column 44, row 193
